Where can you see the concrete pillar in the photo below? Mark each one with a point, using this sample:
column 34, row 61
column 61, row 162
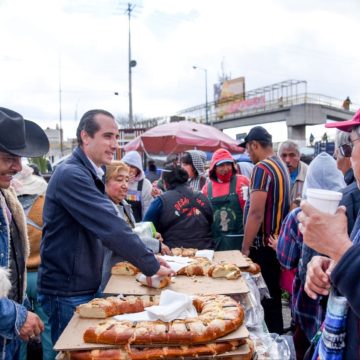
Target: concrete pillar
column 297, row 133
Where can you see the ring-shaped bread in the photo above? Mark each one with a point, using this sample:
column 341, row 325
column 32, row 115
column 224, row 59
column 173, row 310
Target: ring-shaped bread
column 218, row 315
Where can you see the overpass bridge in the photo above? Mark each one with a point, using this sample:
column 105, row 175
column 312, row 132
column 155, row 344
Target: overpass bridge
column 286, row 101
column 308, row 110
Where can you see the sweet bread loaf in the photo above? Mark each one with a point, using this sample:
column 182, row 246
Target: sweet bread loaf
column 198, row 266
column 157, row 282
column 155, row 353
column 111, row 306
column 186, row 252
column 252, row 268
column 218, row 315
column 124, row 268
column 226, row 270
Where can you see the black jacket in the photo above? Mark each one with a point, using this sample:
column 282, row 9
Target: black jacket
column 79, row 220
column 186, row 218
column 351, row 200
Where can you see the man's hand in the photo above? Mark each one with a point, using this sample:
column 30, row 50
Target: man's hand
column 318, row 276
column 325, row 233
column 165, row 271
column 159, row 237
column 32, row 327
column 245, row 251
column 165, row 250
column 155, row 191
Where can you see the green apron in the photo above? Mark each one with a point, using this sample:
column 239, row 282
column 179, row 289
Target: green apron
column 227, row 228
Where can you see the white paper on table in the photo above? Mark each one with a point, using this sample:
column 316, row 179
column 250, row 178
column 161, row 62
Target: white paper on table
column 209, row 254
column 155, row 280
column 172, row 305
column 176, row 262
column 139, row 316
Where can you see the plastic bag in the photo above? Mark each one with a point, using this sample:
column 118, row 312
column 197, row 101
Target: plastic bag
column 145, row 229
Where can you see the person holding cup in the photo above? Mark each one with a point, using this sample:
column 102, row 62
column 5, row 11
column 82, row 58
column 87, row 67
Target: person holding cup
column 307, row 313
column 327, row 234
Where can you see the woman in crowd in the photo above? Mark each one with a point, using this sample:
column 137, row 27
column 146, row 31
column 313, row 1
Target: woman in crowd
column 193, row 161
column 182, row 216
column 139, row 193
column 225, row 193
column 116, row 187
column 307, row 313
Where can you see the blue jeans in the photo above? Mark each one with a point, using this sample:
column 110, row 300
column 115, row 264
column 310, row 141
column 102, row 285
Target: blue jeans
column 60, row 310
column 46, row 343
column 12, row 350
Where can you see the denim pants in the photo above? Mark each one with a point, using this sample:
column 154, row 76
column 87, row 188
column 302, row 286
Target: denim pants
column 46, row 343
column 60, row 310
column 10, row 351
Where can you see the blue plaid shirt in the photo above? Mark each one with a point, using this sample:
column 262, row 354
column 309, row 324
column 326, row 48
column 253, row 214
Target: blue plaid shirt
column 292, row 253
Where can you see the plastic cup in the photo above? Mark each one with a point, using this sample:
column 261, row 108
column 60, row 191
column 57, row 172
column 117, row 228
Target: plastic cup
column 245, row 190
column 326, row 201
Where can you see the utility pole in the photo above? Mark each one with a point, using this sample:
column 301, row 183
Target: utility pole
column 131, row 63
column 206, row 95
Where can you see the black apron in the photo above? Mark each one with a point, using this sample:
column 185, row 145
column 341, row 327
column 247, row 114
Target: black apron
column 227, row 228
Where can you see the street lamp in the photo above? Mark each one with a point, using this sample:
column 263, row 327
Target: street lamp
column 206, row 94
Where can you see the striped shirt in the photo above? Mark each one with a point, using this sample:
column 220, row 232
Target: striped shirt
column 270, row 175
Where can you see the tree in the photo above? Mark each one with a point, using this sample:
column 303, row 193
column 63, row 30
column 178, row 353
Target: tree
column 311, row 139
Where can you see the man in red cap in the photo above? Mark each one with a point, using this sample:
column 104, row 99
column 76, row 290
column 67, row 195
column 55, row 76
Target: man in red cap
column 328, row 235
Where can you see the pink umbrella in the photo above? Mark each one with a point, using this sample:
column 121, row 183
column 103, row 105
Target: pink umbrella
column 180, row 136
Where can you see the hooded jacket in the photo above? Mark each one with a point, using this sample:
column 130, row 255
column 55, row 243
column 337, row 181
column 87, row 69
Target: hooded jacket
column 220, row 188
column 198, row 159
column 133, row 158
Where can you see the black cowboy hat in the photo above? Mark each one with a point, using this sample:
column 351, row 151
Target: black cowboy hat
column 21, row 137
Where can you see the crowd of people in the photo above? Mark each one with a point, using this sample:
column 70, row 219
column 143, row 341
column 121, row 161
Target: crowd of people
column 83, row 221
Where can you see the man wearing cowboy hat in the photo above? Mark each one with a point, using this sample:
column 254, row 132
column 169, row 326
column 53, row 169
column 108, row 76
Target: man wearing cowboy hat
column 18, row 137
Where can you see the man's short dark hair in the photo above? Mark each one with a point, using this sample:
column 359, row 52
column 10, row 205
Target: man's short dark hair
column 264, row 144
column 89, row 124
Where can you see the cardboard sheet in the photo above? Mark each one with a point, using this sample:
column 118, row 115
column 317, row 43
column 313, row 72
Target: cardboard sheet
column 127, row 285
column 232, row 256
column 72, row 336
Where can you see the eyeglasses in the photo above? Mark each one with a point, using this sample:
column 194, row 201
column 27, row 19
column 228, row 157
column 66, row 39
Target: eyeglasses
column 346, row 149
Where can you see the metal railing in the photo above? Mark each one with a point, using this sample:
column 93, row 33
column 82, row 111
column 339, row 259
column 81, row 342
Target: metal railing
column 197, row 113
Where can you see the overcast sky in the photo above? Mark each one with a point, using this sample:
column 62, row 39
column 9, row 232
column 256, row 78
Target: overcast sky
column 85, row 44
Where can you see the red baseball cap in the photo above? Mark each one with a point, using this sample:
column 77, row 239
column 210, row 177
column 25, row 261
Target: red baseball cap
column 346, row 125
